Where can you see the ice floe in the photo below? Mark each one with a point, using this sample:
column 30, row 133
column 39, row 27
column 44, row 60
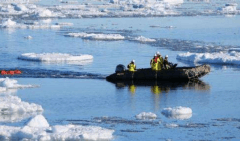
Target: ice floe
column 171, row 125
column 232, row 57
column 38, row 129
column 229, row 8
column 8, row 23
column 28, row 37
column 180, row 112
column 8, row 83
column 13, row 104
column 143, row 39
column 146, row 115
column 12, row 108
column 93, row 36
column 54, row 57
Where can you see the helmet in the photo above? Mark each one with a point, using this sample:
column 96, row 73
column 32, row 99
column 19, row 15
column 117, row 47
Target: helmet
column 133, row 61
column 158, row 53
column 155, row 55
column 166, row 56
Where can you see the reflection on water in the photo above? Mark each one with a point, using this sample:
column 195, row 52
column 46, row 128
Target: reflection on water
column 158, row 87
column 160, row 91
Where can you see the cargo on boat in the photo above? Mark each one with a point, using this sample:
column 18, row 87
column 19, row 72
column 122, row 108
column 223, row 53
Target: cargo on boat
column 174, row 74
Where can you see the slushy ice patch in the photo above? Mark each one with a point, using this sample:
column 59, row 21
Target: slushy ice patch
column 180, row 112
column 38, row 128
column 54, row 57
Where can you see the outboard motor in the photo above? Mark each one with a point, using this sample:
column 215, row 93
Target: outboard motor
column 120, row 68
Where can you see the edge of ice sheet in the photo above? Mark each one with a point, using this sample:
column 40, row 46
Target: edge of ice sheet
column 232, row 57
column 146, row 115
column 92, row 36
column 54, row 57
column 12, row 108
column 7, row 83
column 179, row 112
column 38, row 129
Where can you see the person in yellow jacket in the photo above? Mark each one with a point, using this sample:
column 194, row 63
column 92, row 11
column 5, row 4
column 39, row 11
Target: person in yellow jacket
column 160, row 66
column 131, row 66
column 155, row 62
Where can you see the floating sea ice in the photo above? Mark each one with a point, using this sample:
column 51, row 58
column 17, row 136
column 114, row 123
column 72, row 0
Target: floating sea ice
column 8, row 24
column 12, row 84
column 28, row 37
column 38, row 121
column 19, row 7
column 12, row 104
column 54, row 57
column 64, row 24
column 178, row 112
column 174, row 2
column 38, row 129
column 143, row 39
column 93, row 36
column 229, row 8
column 145, row 115
column 171, row 125
column 213, row 58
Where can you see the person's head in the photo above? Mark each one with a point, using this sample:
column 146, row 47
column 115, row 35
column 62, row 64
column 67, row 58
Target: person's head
column 155, row 55
column 158, row 53
column 133, row 61
column 166, row 57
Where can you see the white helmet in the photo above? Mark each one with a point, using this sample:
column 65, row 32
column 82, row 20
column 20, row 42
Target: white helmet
column 133, row 61
column 158, row 53
column 166, row 56
column 155, row 55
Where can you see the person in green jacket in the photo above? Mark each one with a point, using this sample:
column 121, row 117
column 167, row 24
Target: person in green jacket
column 155, row 62
column 131, row 66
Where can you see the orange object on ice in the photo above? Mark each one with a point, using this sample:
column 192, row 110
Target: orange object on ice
column 17, row 72
column 3, row 72
column 10, row 72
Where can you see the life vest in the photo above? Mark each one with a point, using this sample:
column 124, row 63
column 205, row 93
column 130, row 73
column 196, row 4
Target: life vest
column 154, row 64
column 132, row 67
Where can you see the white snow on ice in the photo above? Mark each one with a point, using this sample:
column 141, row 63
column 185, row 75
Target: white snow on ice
column 38, row 129
column 93, row 36
column 54, row 57
column 179, row 112
column 146, row 115
column 232, row 57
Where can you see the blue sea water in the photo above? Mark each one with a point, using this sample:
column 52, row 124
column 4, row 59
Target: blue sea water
column 214, row 101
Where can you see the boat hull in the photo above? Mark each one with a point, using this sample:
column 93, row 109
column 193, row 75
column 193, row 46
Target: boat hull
column 177, row 74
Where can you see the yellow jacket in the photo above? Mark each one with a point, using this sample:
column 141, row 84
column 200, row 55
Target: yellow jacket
column 131, row 67
column 160, row 66
column 154, row 65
